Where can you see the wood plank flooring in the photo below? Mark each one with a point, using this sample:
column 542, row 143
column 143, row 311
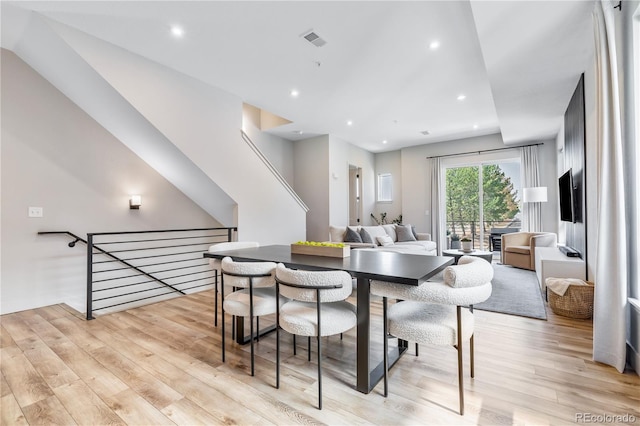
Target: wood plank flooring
column 161, row 364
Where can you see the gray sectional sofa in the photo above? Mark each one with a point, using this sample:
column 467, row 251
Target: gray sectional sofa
column 398, row 238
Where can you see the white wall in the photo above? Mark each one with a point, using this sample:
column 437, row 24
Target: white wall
column 278, row 150
column 322, row 181
column 56, row 157
column 311, row 182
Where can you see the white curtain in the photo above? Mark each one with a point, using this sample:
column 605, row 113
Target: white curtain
column 531, row 212
column 609, row 319
column 435, row 208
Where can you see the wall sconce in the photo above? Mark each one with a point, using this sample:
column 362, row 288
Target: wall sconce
column 135, row 202
column 537, row 194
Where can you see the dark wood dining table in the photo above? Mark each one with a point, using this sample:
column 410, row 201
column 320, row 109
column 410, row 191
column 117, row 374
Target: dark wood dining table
column 364, row 265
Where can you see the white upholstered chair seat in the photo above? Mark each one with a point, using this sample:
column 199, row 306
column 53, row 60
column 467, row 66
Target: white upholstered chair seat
column 215, row 265
column 433, row 292
column 258, row 296
column 301, row 318
column 435, row 312
column 317, row 308
column 428, row 323
column 264, row 302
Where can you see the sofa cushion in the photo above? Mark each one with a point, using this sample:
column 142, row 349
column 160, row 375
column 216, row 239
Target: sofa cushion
column 391, row 231
column 336, row 233
column 518, row 249
column 419, row 245
column 405, row 233
column 352, row 236
column 374, row 232
column 366, row 237
column 384, row 240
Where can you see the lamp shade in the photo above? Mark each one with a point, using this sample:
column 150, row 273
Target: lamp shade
column 537, row 194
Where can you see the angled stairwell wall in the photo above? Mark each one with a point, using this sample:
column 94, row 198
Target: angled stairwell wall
column 187, row 130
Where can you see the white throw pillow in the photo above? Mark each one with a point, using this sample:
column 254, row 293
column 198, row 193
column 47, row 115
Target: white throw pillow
column 384, row 240
column 375, row 232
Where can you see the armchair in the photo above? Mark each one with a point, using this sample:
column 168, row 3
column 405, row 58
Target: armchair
column 519, row 248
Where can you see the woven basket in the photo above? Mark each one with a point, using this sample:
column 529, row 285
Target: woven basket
column 577, row 301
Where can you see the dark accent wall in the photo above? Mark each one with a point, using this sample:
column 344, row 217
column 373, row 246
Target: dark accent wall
column 574, row 159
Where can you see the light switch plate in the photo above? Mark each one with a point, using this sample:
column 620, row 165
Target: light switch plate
column 36, row 212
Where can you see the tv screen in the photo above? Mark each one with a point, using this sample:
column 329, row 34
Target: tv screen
column 565, row 186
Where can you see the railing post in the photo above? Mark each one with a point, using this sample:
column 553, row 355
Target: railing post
column 229, row 231
column 89, row 276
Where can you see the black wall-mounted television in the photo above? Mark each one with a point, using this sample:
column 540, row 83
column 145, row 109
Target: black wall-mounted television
column 567, row 197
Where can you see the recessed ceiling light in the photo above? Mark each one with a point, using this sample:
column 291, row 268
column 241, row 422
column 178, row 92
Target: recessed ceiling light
column 294, row 93
column 349, row 123
column 298, row 132
column 475, row 126
column 384, row 141
column 177, row 31
column 461, row 97
column 434, row 45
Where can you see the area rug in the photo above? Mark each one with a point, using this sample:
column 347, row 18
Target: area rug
column 515, row 292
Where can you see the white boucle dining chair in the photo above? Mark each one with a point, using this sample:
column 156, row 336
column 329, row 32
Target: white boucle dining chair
column 256, row 297
column 317, row 308
column 436, row 312
column 215, row 264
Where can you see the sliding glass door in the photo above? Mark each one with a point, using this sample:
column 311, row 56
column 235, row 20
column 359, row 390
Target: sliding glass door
column 481, row 197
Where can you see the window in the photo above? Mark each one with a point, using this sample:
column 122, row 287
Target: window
column 385, row 188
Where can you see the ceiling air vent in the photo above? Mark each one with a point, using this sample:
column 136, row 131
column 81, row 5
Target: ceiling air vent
column 425, row 132
column 314, row 38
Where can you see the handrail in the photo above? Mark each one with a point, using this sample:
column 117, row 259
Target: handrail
column 122, row 285
column 274, row 171
column 135, row 268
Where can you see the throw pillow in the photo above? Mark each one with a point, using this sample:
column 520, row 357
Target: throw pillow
column 352, row 236
column 366, row 238
column 385, row 240
column 404, row 233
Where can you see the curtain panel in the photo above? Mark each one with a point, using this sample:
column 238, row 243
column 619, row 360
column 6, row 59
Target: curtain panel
column 531, row 212
column 436, row 207
column 611, row 280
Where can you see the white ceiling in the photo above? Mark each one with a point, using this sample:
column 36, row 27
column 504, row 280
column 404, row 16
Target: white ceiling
column 517, row 62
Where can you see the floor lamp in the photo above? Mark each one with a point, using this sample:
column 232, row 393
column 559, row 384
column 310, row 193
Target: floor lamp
column 536, row 194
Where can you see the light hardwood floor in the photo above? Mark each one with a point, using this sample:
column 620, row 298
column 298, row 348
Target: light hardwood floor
column 160, row 364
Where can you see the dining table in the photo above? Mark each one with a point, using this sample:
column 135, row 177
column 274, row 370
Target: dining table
column 364, row 265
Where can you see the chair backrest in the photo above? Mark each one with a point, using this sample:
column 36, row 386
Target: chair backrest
column 237, row 274
column 467, row 283
column 231, row 245
column 313, row 279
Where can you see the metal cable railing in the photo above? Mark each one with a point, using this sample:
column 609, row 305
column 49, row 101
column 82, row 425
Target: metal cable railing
column 125, row 269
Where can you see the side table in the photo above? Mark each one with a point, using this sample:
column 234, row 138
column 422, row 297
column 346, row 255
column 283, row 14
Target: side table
column 486, row 255
column 551, row 262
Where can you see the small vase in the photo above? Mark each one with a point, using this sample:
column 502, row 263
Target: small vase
column 466, row 245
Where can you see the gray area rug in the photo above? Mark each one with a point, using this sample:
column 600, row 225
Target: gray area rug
column 515, row 292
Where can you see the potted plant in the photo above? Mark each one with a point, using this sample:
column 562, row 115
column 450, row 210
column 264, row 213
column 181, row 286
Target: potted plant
column 455, row 241
column 466, row 243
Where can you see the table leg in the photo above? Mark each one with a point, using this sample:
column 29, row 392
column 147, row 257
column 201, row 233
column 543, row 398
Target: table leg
column 363, row 337
column 368, row 374
column 242, row 338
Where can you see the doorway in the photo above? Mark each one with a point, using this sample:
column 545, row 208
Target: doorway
column 355, row 195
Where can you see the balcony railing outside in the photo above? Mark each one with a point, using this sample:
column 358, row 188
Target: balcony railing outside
column 479, row 232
